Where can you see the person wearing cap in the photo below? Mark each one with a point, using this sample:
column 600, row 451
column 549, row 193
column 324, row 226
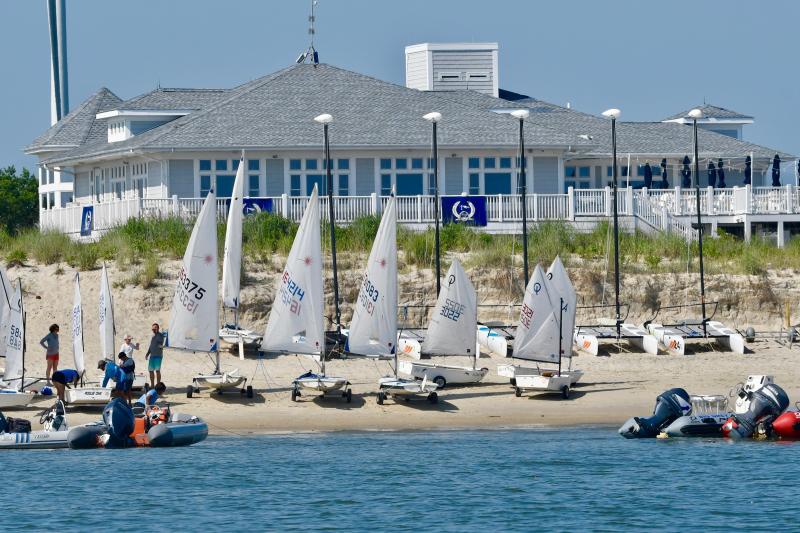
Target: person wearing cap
column 128, row 346
column 128, row 366
column 114, row 373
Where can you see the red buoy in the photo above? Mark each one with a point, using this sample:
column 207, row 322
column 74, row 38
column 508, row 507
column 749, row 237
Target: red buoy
column 787, row 426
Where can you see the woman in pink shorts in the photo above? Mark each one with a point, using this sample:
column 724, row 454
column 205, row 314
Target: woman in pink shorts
column 50, row 343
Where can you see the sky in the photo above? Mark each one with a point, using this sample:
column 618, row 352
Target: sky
column 649, row 58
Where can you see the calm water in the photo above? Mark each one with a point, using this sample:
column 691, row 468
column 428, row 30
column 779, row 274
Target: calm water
column 523, row 480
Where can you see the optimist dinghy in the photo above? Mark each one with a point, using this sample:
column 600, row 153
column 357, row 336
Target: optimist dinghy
column 451, row 332
column 12, row 389
column 373, row 331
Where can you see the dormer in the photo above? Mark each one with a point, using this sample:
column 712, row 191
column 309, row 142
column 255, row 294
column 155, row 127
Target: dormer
column 452, row 67
column 124, row 124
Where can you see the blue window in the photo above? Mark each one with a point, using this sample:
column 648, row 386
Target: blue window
column 623, row 171
column 489, row 162
column 386, row 184
column 225, row 185
column 474, row 184
column 401, row 164
column 311, row 164
column 253, row 164
column 505, row 162
column 386, row 164
column 317, row 179
column 295, row 185
column 430, row 162
column 205, row 185
column 569, row 172
column 344, row 164
column 221, row 164
column 409, row 184
column 295, row 164
column 584, row 172
column 330, row 164
column 253, row 189
column 344, row 184
column 497, row 183
column 431, row 185
column 416, row 162
column 474, row 162
column 235, row 163
column 205, row 164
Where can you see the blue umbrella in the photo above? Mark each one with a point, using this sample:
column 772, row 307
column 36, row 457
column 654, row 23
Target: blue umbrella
column 776, row 171
column 686, row 173
column 748, row 171
column 664, row 182
column 720, row 175
column 712, row 174
column 648, row 175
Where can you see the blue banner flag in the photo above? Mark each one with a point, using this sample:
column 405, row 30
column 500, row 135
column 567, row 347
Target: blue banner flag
column 254, row 206
column 87, row 220
column 469, row 210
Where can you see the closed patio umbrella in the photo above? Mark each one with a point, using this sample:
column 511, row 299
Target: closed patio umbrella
column 748, row 170
column 712, row 174
column 664, row 182
column 686, row 173
column 720, row 175
column 648, row 175
column 776, row 171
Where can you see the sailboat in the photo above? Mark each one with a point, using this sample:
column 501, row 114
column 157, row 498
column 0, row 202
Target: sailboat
column 296, row 322
column 373, row 329
column 194, row 318
column 560, row 287
column 540, row 336
column 232, row 268
column 451, row 332
column 5, row 310
column 12, row 388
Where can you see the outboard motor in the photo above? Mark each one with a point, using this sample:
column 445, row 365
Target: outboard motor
column 120, row 421
column 670, row 405
column 765, row 405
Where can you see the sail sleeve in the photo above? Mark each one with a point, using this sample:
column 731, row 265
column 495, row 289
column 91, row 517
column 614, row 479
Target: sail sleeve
column 452, row 330
column 15, row 341
column 106, row 318
column 559, row 281
column 537, row 336
column 77, row 327
column 296, row 321
column 194, row 318
column 373, row 329
column 232, row 258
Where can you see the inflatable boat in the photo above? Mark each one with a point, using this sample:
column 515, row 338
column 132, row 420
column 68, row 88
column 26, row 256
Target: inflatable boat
column 670, row 405
column 16, row 434
column 708, row 414
column 766, row 405
column 787, row 426
column 156, row 426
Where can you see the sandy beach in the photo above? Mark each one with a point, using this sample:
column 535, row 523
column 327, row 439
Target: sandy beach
column 615, row 386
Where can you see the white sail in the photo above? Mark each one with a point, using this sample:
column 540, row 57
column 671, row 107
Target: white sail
column 15, row 341
column 559, row 281
column 452, row 330
column 6, row 296
column 296, row 322
column 536, row 338
column 194, row 319
column 106, row 310
column 232, row 258
column 373, row 330
column 77, row 327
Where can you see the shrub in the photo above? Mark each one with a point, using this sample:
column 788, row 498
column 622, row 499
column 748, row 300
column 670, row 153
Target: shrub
column 83, row 256
column 16, row 257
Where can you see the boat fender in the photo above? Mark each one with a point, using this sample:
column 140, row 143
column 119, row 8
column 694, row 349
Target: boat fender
column 670, row 405
column 765, row 405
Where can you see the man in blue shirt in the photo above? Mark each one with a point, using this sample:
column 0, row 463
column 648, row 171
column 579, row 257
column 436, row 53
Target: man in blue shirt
column 63, row 379
column 151, row 396
column 115, row 373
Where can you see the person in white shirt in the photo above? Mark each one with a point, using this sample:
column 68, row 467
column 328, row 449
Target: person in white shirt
column 128, row 346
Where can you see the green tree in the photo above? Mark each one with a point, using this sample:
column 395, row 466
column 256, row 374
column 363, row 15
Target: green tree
column 19, row 200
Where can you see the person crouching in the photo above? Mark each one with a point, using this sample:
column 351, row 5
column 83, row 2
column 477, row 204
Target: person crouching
column 62, row 379
column 112, row 372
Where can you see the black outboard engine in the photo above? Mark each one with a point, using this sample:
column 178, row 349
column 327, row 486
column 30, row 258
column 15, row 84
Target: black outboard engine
column 670, row 405
column 766, row 404
column 120, row 421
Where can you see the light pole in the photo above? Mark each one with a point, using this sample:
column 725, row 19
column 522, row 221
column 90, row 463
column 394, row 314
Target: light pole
column 614, row 114
column 521, row 115
column 434, row 119
column 694, row 114
column 325, row 119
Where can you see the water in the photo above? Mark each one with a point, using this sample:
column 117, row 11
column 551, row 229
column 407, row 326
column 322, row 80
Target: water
column 522, row 480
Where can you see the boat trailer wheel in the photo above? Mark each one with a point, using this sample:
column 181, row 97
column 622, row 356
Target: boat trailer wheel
column 440, row 381
column 517, row 392
column 565, row 392
column 249, row 391
column 433, row 398
column 295, row 394
column 381, row 398
column 189, row 391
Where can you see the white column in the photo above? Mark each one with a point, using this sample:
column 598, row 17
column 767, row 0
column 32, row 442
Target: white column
column 748, row 229
column 374, row 205
column 285, row 205
column 629, row 199
column 781, row 235
column 678, row 200
column 570, row 203
column 608, row 201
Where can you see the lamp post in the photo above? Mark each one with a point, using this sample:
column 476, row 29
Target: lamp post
column 694, row 114
column 434, row 119
column 326, row 119
column 522, row 186
column 614, row 114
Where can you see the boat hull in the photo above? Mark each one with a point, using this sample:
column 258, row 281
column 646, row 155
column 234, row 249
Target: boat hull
column 403, row 387
column 543, row 383
column 227, row 380
column 172, row 434
column 88, row 396
column 322, row 384
column 492, row 341
column 513, row 371
column 232, row 336
column 706, row 425
column 787, row 425
column 451, row 374
column 34, row 440
column 16, row 400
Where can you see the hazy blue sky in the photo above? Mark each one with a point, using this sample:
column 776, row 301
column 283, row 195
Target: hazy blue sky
column 651, row 59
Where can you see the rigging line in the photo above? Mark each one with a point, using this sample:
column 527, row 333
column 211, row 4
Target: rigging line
column 227, row 430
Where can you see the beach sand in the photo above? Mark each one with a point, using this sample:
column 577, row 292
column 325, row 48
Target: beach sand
column 615, row 386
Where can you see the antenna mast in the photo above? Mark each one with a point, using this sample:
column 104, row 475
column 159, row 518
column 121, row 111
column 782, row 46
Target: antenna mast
column 311, row 53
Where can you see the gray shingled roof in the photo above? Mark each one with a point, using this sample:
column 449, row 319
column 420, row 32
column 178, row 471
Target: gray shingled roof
column 167, row 99
column 276, row 111
column 712, row 111
column 80, row 126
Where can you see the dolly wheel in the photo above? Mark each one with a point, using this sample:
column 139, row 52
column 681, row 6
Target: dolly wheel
column 294, row 395
column 513, row 382
column 517, row 392
column 189, row 391
column 249, row 391
column 381, row 398
column 565, row 392
column 243, row 392
column 440, row 381
column 348, row 396
column 433, row 398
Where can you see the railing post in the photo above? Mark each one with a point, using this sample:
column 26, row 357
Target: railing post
column 419, row 208
column 176, row 209
column 629, row 201
column 788, row 190
column 570, row 203
column 285, row 205
column 535, row 206
column 500, row 213
column 710, row 200
column 748, row 208
column 608, row 200
column 373, row 204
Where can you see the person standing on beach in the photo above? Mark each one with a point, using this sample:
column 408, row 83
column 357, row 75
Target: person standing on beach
column 155, row 354
column 128, row 346
column 50, row 343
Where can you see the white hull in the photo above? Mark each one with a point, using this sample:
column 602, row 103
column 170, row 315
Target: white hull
column 34, row 440
column 672, row 341
column 402, row 387
column 88, row 396
column 492, row 341
column 633, row 334
column 409, row 347
column 705, row 425
column 226, row 380
column 515, row 371
column 11, row 400
column 675, row 343
column 323, row 384
column 728, row 338
column 543, row 383
column 232, row 336
column 451, row 374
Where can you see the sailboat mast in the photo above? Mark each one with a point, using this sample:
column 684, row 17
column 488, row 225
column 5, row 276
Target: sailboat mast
column 699, row 228
column 332, row 220
column 24, row 334
column 560, row 332
column 616, row 223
